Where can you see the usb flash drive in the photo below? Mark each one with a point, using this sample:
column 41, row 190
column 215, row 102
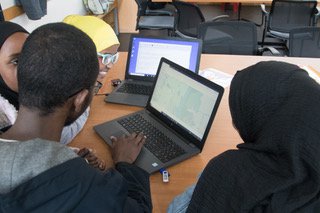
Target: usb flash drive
column 165, row 176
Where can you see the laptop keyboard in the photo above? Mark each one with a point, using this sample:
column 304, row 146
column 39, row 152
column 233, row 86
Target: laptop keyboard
column 157, row 143
column 135, row 89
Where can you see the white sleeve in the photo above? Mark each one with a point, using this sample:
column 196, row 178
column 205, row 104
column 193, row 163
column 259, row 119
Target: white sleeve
column 69, row 132
column 8, row 113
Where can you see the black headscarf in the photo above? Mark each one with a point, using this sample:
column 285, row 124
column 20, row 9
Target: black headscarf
column 6, row 30
column 275, row 107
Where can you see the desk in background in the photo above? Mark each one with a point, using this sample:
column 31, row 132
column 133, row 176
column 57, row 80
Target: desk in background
column 222, row 1
column 258, row 2
column 222, row 135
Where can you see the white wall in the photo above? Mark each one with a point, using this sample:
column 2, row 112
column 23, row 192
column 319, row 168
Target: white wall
column 56, row 11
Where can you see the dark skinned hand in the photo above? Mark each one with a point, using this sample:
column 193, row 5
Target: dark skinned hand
column 127, row 148
column 92, row 159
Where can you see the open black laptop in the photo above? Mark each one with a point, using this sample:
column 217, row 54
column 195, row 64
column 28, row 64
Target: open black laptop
column 176, row 120
column 142, row 64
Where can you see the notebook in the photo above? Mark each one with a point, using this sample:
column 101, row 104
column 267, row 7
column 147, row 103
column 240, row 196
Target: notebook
column 176, row 120
column 142, row 63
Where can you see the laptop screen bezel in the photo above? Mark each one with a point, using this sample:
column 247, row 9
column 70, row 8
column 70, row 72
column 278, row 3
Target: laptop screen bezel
column 182, row 132
column 145, row 78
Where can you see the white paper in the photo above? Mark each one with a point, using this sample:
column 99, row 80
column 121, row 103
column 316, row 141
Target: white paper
column 217, row 76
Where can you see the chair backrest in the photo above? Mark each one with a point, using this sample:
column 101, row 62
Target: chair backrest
column 288, row 14
column 229, row 37
column 189, row 16
column 142, row 7
column 304, row 42
column 156, row 5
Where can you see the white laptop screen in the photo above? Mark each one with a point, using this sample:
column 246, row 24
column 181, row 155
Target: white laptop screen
column 186, row 102
column 146, row 53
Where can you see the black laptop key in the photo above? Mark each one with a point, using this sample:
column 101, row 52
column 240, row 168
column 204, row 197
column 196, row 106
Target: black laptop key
column 157, row 143
column 135, row 89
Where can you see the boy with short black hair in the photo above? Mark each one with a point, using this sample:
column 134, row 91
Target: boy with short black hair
column 57, row 72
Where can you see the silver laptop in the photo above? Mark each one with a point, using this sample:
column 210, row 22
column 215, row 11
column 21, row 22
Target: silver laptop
column 176, row 120
column 142, row 64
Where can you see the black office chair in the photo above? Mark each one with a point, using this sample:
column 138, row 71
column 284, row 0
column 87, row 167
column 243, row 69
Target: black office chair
column 160, row 8
column 152, row 22
column 231, row 37
column 286, row 15
column 189, row 16
column 304, row 42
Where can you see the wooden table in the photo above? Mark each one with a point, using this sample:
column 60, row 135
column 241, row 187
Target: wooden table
column 241, row 2
column 222, row 1
column 222, row 135
column 268, row 2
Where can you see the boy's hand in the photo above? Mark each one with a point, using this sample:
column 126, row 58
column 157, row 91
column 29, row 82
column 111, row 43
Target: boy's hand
column 92, row 159
column 127, row 148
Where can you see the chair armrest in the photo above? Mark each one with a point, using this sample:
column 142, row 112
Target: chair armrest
column 264, row 16
column 317, row 11
column 316, row 16
column 219, row 17
column 273, row 50
column 183, row 35
column 158, row 12
column 263, row 9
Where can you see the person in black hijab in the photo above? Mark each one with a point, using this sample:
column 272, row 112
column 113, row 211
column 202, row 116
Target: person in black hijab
column 7, row 29
column 275, row 108
column 12, row 38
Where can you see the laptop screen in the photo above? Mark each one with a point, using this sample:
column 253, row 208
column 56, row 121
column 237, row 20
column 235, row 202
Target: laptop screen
column 183, row 100
column 146, row 52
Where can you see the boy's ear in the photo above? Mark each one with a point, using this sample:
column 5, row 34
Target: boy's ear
column 80, row 99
